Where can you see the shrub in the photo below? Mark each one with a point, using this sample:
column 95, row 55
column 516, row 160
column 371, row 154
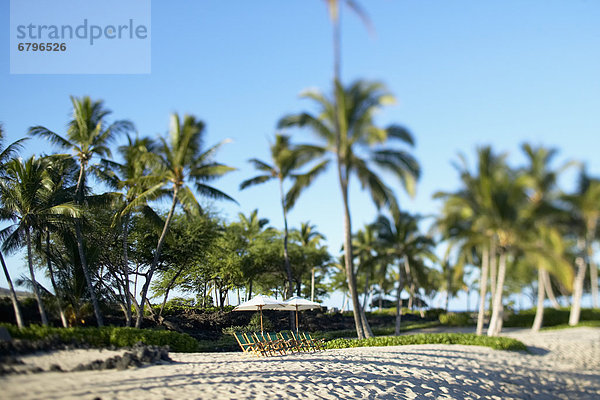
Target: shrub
column 254, row 325
column 455, row 319
column 108, row 336
column 498, row 343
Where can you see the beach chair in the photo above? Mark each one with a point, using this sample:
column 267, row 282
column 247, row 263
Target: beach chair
column 245, row 345
column 319, row 343
column 303, row 343
column 279, row 343
column 259, row 347
column 292, row 343
column 271, row 346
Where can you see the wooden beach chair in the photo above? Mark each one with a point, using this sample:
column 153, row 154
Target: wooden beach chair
column 246, row 345
column 303, row 343
column 279, row 343
column 292, row 343
column 319, row 343
column 270, row 346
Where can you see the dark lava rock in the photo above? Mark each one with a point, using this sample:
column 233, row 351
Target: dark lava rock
column 55, row 368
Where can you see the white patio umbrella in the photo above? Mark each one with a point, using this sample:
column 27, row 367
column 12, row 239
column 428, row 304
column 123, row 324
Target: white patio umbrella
column 259, row 303
column 298, row 303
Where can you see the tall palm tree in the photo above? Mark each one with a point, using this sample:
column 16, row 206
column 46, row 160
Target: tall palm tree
column 308, row 236
column 359, row 146
column 181, row 161
column 131, row 176
column 5, row 154
column 334, row 15
column 286, row 160
column 62, row 172
column 584, row 205
column 547, row 250
column 26, row 193
column 405, row 245
column 88, row 136
column 470, row 216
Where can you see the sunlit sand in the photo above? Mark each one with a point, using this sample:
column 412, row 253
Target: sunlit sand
column 564, row 364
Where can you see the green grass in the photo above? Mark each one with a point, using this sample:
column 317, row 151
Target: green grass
column 389, row 330
column 552, row 317
column 497, row 343
column 107, row 336
column 592, row 324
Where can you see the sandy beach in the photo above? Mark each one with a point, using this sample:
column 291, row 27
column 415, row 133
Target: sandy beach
column 564, row 364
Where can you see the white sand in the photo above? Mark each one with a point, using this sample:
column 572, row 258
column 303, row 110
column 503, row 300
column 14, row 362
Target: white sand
column 566, row 365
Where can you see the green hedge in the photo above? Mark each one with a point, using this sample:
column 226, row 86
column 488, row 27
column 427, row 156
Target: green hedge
column 108, row 336
column 455, row 319
column 552, row 317
column 498, row 343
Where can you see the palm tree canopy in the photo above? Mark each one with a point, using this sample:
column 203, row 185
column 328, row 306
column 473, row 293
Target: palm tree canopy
column 181, row 159
column 362, row 144
column 87, row 133
column 9, row 151
column 286, row 160
column 28, row 200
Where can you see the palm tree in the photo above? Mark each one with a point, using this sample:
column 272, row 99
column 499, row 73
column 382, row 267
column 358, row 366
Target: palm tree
column 62, row 172
column 131, row 176
column 585, row 210
column 181, row 161
column 547, row 250
column 87, row 137
column 308, row 236
column 470, row 219
column 334, row 15
column 26, row 194
column 367, row 251
column 286, row 160
column 5, row 155
column 406, row 246
column 359, row 146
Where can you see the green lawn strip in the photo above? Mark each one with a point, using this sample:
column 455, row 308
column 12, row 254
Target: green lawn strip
column 497, row 343
column 107, row 336
column 386, row 331
column 592, row 324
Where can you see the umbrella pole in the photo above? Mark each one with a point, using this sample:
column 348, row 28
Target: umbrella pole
column 296, row 320
column 261, row 324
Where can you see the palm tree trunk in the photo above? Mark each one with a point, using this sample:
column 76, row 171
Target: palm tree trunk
column 448, row 283
column 161, row 241
column 482, row 289
column 80, row 249
column 548, row 289
column 496, row 320
column 411, row 286
column 577, row 288
column 13, row 294
column 36, row 289
column 593, row 274
column 350, row 277
column 493, row 270
column 539, row 312
column 312, row 284
column 286, row 256
column 63, row 317
column 126, row 270
column 366, row 293
column 399, row 300
column 166, row 296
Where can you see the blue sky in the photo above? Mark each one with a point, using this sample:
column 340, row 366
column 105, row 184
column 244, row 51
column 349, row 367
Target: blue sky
column 465, row 73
